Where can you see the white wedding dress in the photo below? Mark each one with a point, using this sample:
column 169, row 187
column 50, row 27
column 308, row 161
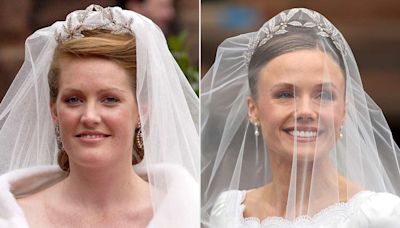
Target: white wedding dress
column 365, row 209
column 22, row 182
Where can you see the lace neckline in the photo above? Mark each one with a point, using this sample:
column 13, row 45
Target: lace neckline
column 340, row 210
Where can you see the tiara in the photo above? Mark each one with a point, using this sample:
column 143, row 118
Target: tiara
column 81, row 20
column 278, row 24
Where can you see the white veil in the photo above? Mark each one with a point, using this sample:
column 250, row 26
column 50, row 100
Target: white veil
column 168, row 110
column 361, row 150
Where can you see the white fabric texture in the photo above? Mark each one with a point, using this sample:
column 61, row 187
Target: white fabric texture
column 17, row 183
column 365, row 209
column 284, row 112
column 168, row 110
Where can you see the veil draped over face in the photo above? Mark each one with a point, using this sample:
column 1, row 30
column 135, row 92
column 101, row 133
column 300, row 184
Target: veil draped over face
column 168, row 110
column 316, row 143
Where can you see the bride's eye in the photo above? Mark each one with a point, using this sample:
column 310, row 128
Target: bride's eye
column 73, row 100
column 326, row 96
column 111, row 100
column 284, row 95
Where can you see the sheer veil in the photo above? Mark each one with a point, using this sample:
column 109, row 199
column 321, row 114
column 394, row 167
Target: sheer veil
column 238, row 153
column 168, row 110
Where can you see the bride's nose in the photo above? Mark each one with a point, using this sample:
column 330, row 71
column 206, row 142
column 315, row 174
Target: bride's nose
column 304, row 110
column 90, row 116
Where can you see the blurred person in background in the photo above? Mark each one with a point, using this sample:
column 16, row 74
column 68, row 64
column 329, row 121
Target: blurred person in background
column 162, row 12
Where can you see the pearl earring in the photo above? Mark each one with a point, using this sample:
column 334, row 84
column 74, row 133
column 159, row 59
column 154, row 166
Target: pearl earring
column 341, row 132
column 256, row 131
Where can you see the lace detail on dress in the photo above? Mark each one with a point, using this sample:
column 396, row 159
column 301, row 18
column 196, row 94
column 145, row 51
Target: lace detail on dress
column 331, row 215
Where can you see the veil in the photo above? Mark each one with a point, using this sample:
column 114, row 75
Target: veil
column 322, row 152
column 168, row 109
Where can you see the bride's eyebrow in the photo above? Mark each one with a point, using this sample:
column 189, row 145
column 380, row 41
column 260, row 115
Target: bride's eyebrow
column 70, row 90
column 112, row 89
column 282, row 85
column 109, row 89
column 326, row 85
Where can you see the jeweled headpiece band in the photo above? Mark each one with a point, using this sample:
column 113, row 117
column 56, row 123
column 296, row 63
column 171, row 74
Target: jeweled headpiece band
column 110, row 19
column 278, row 25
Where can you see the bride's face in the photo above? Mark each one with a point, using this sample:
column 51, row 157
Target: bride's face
column 96, row 111
column 300, row 104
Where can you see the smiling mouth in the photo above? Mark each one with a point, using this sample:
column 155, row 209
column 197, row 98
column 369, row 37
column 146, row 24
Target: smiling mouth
column 92, row 135
column 303, row 134
column 309, row 134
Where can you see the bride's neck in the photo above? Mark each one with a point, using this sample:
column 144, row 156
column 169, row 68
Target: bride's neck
column 292, row 183
column 105, row 187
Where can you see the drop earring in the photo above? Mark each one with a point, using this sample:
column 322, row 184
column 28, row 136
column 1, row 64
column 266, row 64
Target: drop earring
column 139, row 136
column 58, row 138
column 138, row 146
column 256, row 130
column 341, row 132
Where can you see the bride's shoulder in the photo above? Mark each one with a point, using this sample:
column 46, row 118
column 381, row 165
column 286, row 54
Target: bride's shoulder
column 32, row 207
column 232, row 202
column 19, row 193
column 231, row 197
column 377, row 209
column 227, row 208
column 369, row 199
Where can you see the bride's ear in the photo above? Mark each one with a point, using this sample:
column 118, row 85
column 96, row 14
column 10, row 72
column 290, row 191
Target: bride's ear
column 53, row 111
column 252, row 109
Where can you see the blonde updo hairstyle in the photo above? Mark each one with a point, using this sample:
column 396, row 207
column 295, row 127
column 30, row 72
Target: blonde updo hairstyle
column 119, row 48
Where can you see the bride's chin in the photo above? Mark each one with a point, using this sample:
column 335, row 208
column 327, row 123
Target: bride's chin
column 94, row 162
column 306, row 153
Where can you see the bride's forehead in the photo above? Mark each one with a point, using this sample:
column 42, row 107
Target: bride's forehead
column 308, row 58
column 310, row 65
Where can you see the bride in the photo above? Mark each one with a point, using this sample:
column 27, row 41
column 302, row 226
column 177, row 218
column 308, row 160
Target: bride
column 289, row 136
column 101, row 96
